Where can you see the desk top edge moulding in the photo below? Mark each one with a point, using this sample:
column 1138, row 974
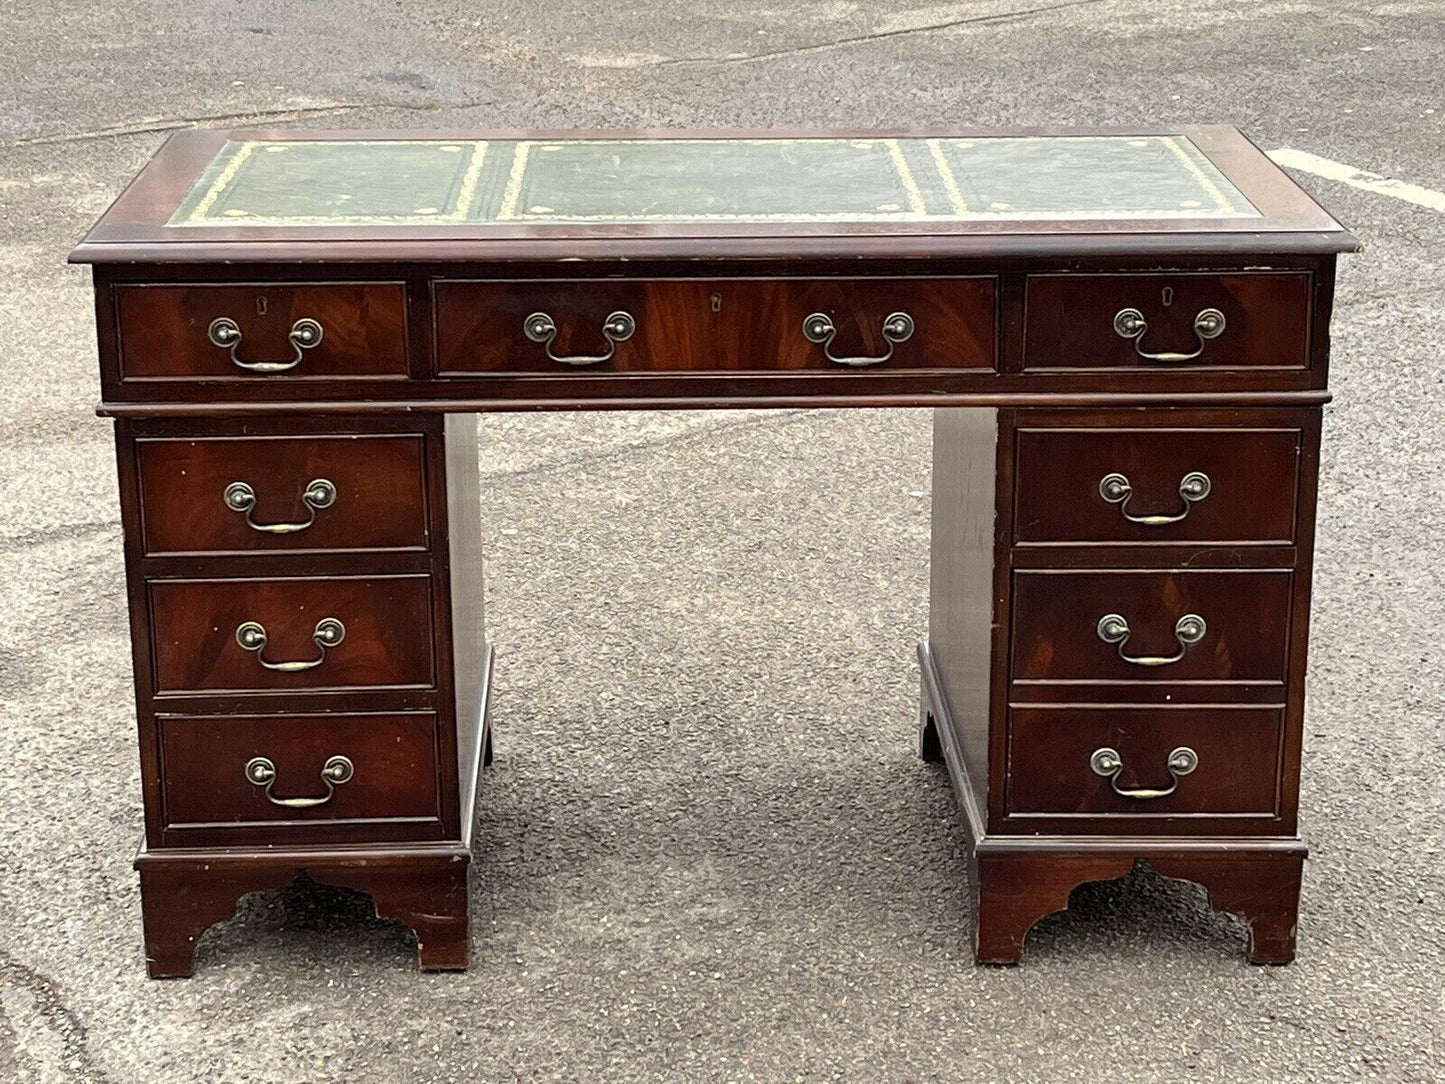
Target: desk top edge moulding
column 281, row 195
column 1124, row 337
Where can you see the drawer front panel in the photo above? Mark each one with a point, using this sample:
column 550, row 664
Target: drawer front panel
column 1227, row 761
column 1157, row 485
column 1239, row 633
column 389, row 770
column 282, row 494
column 716, row 325
column 1070, row 321
column 170, row 332
column 205, row 634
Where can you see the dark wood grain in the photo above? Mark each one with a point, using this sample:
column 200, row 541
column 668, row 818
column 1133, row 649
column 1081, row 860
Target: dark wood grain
column 380, row 480
column 689, row 325
column 1016, row 890
column 1014, row 338
column 163, row 330
column 388, row 641
column 185, row 890
column 1056, row 614
column 1069, row 320
column 1253, row 476
column 962, row 583
column 1238, row 772
column 395, row 780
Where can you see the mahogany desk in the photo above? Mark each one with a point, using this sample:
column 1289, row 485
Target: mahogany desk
column 1123, row 336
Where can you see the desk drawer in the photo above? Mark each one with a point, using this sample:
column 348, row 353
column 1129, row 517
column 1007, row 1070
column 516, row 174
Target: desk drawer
column 681, row 326
column 302, row 633
column 1163, row 626
column 1157, row 485
column 265, row 331
column 267, row 770
column 282, row 494
column 1172, row 321
column 1115, row 761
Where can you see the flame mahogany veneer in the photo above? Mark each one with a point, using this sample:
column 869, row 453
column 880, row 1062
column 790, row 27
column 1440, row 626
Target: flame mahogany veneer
column 1126, row 442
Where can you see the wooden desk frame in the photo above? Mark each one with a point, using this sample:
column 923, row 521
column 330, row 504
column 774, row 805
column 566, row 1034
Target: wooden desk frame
column 986, row 693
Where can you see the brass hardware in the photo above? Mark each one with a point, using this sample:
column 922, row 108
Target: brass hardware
column 1109, row 764
column 818, row 328
column 226, row 333
column 240, row 497
column 1130, row 324
column 1188, row 630
column 618, row 327
column 1115, row 489
column 337, row 770
column 251, row 635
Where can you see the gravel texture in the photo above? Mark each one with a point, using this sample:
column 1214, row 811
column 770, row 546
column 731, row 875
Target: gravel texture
column 707, row 850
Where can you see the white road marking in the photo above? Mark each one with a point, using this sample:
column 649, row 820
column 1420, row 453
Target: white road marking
column 1358, row 178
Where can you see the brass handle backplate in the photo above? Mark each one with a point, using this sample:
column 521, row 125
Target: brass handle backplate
column 1116, row 489
column 226, row 333
column 1109, row 764
column 818, row 328
column 617, row 328
column 1130, row 324
column 1188, row 630
column 319, row 494
column 260, row 772
column 251, row 635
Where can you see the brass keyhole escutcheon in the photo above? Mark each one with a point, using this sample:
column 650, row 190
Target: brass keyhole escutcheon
column 261, row 306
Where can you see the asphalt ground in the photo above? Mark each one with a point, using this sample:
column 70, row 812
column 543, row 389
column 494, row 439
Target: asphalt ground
column 707, row 850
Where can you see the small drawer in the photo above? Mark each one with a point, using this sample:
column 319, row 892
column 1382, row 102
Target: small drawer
column 1110, row 762
column 728, row 325
column 1164, row 626
column 282, row 494
column 301, row 633
column 1157, row 485
column 263, row 331
column 238, row 771
column 1173, row 321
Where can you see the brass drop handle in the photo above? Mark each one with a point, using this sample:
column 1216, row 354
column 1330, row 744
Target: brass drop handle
column 617, row 328
column 226, row 333
column 1130, row 324
column 240, row 497
column 251, row 635
column 1116, row 489
column 818, row 328
column 1109, row 764
column 1188, row 630
column 260, row 772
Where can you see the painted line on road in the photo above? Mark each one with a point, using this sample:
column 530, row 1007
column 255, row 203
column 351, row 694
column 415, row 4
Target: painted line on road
column 1358, row 178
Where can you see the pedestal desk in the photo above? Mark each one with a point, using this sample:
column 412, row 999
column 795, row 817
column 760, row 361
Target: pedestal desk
column 1123, row 337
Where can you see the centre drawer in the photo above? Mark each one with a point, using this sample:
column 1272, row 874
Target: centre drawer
column 695, row 325
column 297, row 633
column 330, row 492
column 265, row 770
column 1123, row 761
column 1163, row 626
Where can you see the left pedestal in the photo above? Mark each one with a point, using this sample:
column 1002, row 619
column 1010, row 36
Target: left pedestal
column 311, row 673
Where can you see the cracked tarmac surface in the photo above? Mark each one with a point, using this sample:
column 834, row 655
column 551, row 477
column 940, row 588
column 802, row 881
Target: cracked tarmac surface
column 707, row 851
